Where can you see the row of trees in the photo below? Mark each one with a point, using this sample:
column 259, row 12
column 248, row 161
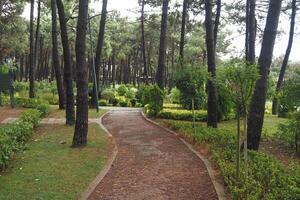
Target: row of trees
column 150, row 49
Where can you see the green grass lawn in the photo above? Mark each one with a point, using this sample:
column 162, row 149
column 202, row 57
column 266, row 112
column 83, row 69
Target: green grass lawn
column 56, row 113
column 50, row 170
column 270, row 126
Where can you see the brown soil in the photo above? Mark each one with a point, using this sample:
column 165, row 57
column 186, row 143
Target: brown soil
column 151, row 164
column 7, row 112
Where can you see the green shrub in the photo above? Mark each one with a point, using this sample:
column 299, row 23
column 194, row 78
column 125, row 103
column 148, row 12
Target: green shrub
column 142, row 94
column 103, row 102
column 108, row 94
column 21, row 86
column 123, row 103
column 31, row 116
column 156, row 100
column 51, row 98
column 41, row 105
column 133, row 102
column 289, row 132
column 14, row 135
column 122, row 89
column 185, row 115
column 114, row 101
column 175, row 96
column 130, row 94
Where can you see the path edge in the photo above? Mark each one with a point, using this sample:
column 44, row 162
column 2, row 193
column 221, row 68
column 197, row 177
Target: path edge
column 219, row 188
column 92, row 186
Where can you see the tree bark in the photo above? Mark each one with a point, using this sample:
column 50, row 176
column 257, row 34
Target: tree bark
column 100, row 46
column 217, row 21
column 68, row 72
column 81, row 126
column 55, row 58
column 257, row 108
column 286, row 57
column 145, row 73
column 37, row 37
column 162, row 49
column 31, row 54
column 250, row 31
column 212, row 112
column 183, row 27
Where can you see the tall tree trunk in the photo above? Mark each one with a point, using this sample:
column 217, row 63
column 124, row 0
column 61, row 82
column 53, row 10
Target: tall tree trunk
column 250, row 31
column 257, row 108
column 217, row 21
column 162, row 48
column 37, row 37
column 31, row 55
column 81, row 126
column 68, row 72
column 100, row 46
column 145, row 74
column 183, row 27
column 212, row 112
column 55, row 58
column 286, row 57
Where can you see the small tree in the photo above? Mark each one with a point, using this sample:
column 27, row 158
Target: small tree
column 238, row 80
column 156, row 100
column 191, row 82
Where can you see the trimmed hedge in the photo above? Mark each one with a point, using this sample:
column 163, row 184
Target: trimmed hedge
column 14, row 135
column 186, row 115
column 267, row 177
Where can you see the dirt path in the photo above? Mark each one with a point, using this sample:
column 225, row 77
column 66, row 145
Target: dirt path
column 151, row 164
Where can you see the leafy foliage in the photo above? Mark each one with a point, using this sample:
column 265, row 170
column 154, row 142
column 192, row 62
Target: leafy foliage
column 156, row 100
column 13, row 136
column 289, row 132
column 191, row 82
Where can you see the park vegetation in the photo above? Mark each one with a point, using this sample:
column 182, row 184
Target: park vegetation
column 171, row 64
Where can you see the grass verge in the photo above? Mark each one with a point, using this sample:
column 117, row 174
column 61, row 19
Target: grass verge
column 50, row 169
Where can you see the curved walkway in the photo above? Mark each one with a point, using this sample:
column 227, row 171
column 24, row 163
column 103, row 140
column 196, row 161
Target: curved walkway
column 151, row 164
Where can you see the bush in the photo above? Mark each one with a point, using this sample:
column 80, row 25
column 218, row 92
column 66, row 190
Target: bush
column 51, row 98
column 114, row 101
column 133, row 102
column 142, row 94
column 122, row 89
column 130, row 94
column 123, row 103
column 41, row 105
column 103, row 102
column 14, row 135
column 289, row 132
column 156, row 100
column 108, row 94
column 31, row 116
column 175, row 96
column 185, row 115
